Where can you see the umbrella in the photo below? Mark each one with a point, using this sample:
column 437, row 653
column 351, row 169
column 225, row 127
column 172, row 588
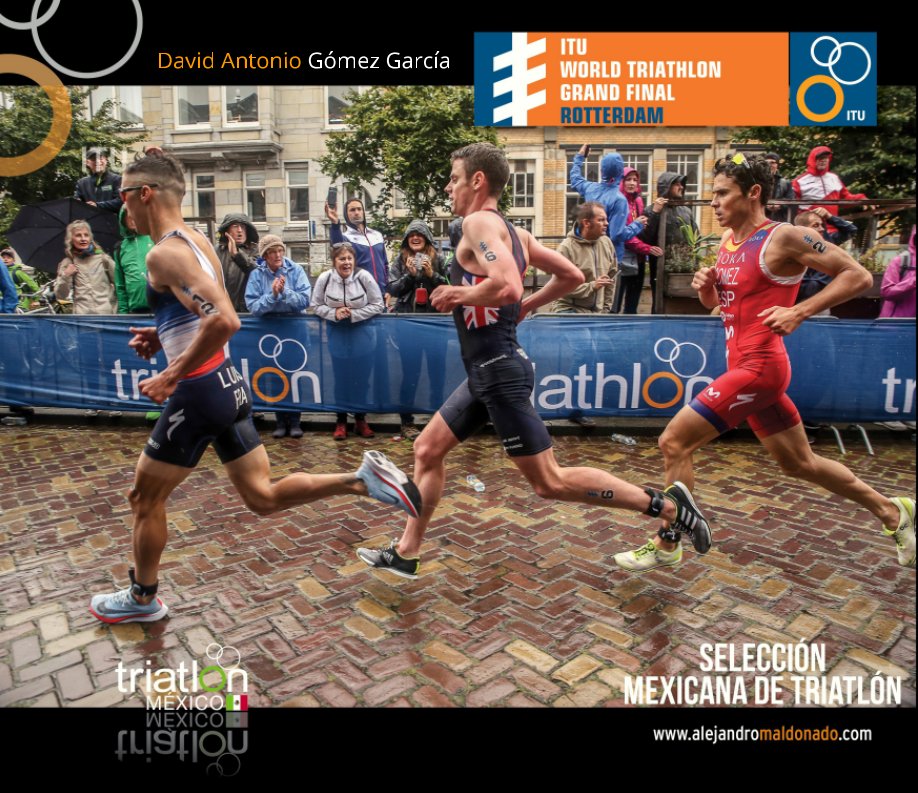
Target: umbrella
column 37, row 233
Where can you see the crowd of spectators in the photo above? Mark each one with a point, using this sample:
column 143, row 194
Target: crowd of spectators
column 615, row 239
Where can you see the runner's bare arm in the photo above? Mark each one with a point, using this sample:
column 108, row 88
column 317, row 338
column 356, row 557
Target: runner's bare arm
column 795, row 248
column 174, row 266
column 485, row 232
column 565, row 275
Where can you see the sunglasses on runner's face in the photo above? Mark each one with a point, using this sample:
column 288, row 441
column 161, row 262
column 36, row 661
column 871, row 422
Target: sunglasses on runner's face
column 123, row 191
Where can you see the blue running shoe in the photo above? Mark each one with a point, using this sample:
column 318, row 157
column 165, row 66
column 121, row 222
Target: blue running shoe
column 385, row 482
column 121, row 607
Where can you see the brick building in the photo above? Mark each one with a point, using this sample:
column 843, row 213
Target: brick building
column 256, row 149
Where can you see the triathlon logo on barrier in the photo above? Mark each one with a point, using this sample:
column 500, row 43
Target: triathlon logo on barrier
column 833, row 79
column 643, row 384
column 504, row 71
column 280, row 379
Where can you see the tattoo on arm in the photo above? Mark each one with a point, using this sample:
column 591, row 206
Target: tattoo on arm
column 206, row 306
column 816, row 245
column 488, row 254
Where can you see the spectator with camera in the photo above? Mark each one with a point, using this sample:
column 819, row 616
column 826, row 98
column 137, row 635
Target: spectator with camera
column 237, row 247
column 415, row 271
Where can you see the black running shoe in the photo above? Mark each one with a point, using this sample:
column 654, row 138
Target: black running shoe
column 689, row 519
column 388, row 559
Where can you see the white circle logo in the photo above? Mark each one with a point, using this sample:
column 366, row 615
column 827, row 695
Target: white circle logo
column 835, row 56
column 37, row 21
column 669, row 351
column 216, row 652
column 278, row 349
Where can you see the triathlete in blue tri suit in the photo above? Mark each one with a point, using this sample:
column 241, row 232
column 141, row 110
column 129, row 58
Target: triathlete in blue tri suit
column 208, row 400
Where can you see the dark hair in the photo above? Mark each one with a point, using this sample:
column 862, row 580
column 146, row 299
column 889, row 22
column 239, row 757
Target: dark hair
column 586, row 211
column 338, row 247
column 488, row 159
column 161, row 168
column 747, row 172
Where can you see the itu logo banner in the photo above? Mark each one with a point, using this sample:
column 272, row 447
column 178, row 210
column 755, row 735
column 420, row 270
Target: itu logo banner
column 833, row 79
column 506, row 65
column 627, row 79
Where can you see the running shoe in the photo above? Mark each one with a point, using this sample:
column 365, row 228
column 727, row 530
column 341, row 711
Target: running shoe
column 689, row 519
column 648, row 557
column 385, row 482
column 905, row 533
column 121, row 607
column 389, row 559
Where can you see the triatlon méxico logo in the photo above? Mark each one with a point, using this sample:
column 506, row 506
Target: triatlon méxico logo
column 503, row 76
column 477, row 316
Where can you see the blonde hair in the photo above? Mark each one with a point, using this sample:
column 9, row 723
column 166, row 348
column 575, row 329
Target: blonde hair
column 68, row 235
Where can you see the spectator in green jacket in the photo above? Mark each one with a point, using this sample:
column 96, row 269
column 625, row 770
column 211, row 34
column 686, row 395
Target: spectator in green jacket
column 131, row 267
column 26, row 286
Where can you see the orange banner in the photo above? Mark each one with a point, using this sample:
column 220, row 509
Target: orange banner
column 657, row 79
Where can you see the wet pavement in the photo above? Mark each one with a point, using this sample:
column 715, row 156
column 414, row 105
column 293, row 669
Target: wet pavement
column 518, row 602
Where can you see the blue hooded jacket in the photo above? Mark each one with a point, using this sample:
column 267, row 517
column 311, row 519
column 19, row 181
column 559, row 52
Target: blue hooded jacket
column 607, row 193
column 259, row 294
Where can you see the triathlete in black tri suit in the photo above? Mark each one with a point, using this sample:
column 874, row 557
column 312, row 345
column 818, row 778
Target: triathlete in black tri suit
column 485, row 298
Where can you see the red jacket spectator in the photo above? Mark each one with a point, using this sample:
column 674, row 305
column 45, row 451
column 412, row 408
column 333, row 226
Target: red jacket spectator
column 821, row 186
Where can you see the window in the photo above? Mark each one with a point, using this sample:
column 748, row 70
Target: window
column 337, row 103
column 523, row 223
column 590, row 169
column 127, row 103
column 590, row 172
column 643, row 164
column 205, row 205
column 255, row 196
column 241, row 103
column 298, row 192
column 300, row 255
column 359, row 193
column 398, row 200
column 689, row 165
column 522, row 183
column 439, row 227
column 193, row 105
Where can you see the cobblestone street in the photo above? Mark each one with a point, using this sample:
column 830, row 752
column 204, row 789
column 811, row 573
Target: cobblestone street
column 518, row 603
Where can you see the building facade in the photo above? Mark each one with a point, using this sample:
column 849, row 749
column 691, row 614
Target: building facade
column 256, row 149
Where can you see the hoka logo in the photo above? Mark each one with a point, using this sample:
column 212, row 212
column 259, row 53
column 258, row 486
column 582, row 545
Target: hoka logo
column 492, row 56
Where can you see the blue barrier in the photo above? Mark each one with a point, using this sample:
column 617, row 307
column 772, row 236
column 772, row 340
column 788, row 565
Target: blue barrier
column 844, row 370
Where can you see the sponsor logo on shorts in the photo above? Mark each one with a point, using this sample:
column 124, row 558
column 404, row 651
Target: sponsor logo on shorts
column 742, row 399
column 175, row 419
column 493, row 360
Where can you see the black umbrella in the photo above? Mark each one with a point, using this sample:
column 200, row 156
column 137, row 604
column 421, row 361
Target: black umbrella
column 37, row 233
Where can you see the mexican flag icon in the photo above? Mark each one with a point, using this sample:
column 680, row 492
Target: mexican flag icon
column 237, row 702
